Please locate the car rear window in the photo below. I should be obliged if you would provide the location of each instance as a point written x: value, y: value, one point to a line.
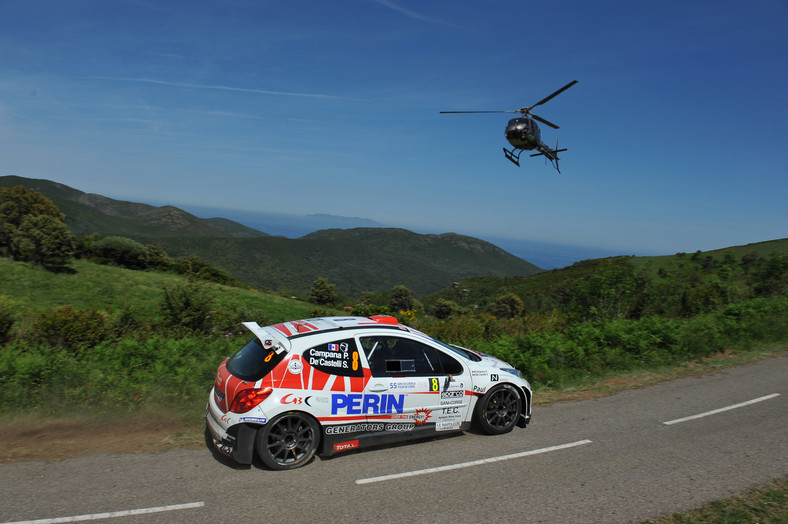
x: 252, y: 362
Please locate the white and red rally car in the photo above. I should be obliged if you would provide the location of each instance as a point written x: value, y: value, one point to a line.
x: 326, y: 385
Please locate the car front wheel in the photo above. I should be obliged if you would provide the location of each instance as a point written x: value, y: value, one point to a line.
x: 288, y: 441
x: 498, y: 410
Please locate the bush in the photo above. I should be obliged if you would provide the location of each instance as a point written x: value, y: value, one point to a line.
x: 120, y: 251
x: 116, y: 374
x: 68, y: 328
x: 187, y: 308
x: 7, y: 318
x: 46, y: 241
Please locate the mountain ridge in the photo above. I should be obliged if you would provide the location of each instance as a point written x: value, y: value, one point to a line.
x: 355, y: 260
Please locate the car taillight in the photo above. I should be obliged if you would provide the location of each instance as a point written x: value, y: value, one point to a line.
x: 249, y: 398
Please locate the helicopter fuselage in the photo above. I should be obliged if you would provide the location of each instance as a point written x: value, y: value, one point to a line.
x: 523, y: 133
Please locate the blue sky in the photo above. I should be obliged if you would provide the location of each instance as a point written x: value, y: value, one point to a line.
x: 677, y: 129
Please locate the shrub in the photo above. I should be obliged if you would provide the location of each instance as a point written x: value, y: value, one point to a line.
x: 66, y: 327
x: 7, y: 318
x: 187, y: 308
x: 45, y: 240
x: 444, y: 308
x: 120, y: 251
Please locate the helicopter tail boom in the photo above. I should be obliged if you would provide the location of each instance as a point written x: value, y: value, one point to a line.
x: 550, y: 154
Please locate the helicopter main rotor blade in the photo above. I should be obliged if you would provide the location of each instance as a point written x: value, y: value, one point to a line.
x: 542, y: 120
x: 542, y: 101
x: 480, y: 111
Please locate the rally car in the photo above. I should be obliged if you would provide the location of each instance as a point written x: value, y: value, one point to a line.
x: 327, y: 385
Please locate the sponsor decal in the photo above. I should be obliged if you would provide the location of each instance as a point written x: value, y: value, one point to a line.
x: 344, y: 446
x: 295, y: 367
x: 366, y: 404
x: 421, y: 416
x: 368, y: 427
x: 494, y: 378
x: 446, y: 426
x: 339, y: 358
x: 293, y: 399
x: 403, y: 385
x: 478, y: 373
x: 354, y: 428
x: 450, y: 416
x: 479, y: 389
x: 400, y: 427
x: 260, y: 420
x: 452, y: 393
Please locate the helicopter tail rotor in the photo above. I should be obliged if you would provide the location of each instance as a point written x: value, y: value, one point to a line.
x: 550, y: 154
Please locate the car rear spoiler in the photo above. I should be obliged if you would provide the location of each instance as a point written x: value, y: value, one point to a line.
x: 266, y: 339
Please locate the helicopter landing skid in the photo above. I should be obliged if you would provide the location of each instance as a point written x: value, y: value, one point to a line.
x: 514, y: 158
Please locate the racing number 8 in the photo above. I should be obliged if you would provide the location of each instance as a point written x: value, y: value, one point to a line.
x: 269, y: 356
x: 355, y: 361
x: 434, y: 384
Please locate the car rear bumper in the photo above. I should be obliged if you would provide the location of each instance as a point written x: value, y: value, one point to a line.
x: 234, y: 441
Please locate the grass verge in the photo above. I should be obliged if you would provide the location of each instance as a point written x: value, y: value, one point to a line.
x: 766, y: 504
x: 151, y: 429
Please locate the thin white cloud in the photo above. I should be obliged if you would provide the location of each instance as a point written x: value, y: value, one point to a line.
x: 217, y: 87
x: 412, y: 14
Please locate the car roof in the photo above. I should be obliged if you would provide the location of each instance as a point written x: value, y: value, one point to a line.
x: 312, y: 326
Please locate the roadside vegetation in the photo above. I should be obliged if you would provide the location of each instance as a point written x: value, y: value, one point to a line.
x: 760, y: 505
x: 108, y: 328
x: 114, y: 325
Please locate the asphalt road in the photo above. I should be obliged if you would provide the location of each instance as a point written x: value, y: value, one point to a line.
x: 608, y: 460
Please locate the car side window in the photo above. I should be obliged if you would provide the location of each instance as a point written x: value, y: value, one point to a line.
x: 397, y: 356
x: 337, y: 358
x: 449, y: 364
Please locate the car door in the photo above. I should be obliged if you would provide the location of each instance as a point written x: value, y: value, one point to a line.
x: 409, y: 389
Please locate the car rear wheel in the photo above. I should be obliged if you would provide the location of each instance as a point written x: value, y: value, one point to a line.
x: 497, y: 411
x: 288, y: 441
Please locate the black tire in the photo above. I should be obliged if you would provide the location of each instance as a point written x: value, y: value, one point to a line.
x: 288, y: 441
x: 498, y: 410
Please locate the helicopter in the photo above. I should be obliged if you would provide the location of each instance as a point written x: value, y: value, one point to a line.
x: 524, y: 134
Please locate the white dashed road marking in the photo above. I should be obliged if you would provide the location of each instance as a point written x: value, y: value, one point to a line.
x: 113, y: 514
x: 470, y: 464
x: 714, y: 412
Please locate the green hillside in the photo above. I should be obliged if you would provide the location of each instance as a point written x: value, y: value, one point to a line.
x: 110, y: 290
x: 663, y: 276
x: 355, y: 260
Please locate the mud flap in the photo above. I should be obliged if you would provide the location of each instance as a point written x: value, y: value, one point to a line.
x: 244, y: 444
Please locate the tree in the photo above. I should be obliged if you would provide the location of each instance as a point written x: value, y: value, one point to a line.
x: 401, y: 299
x: 444, y: 308
x: 771, y: 277
x: 322, y: 293
x: 120, y: 251
x: 16, y: 204
x: 509, y: 306
x: 44, y: 240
